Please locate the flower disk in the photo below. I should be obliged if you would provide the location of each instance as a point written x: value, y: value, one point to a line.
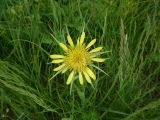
x: 77, y: 59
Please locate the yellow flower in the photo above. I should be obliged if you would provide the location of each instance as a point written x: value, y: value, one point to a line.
x: 77, y: 59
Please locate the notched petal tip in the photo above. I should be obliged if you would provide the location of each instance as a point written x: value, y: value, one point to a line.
x: 54, y: 56
x: 70, y: 41
x: 98, y: 59
x: 91, y: 43
x: 80, y: 78
x: 59, y: 68
x: 78, y: 41
x: 64, y: 47
x: 58, y: 61
x: 87, y: 77
x: 64, y: 70
x: 70, y: 78
x: 82, y: 38
x: 90, y: 73
x: 96, y: 49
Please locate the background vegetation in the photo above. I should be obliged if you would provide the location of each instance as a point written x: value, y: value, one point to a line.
x: 129, y: 29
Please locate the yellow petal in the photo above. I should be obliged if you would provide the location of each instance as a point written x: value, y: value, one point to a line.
x: 80, y: 78
x: 98, y: 59
x: 63, y: 46
x: 56, y: 56
x: 96, y: 49
x: 91, y: 43
x: 87, y: 77
x: 70, y: 41
x: 70, y: 78
x: 78, y: 41
x: 90, y: 73
x: 60, y: 67
x: 82, y: 38
x: 64, y: 70
x: 57, y: 61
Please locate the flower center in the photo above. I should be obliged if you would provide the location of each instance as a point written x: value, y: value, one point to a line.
x: 77, y: 58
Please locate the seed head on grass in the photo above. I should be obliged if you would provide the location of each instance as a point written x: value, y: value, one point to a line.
x: 77, y: 59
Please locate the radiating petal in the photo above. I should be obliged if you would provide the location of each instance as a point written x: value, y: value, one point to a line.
x: 90, y: 73
x: 57, y: 61
x: 70, y: 78
x: 56, y: 56
x: 63, y: 46
x: 78, y: 41
x: 70, y: 41
x: 58, y: 68
x: 92, y: 56
x: 87, y: 77
x: 82, y: 38
x: 91, y: 43
x: 98, y: 59
x: 65, y: 69
x: 96, y: 49
x: 80, y: 78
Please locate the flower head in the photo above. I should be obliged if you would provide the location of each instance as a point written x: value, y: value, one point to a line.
x: 77, y: 59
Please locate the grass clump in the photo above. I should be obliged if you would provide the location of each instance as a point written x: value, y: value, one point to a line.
x: 128, y: 29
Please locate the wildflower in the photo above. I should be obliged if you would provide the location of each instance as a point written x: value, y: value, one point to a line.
x: 77, y: 59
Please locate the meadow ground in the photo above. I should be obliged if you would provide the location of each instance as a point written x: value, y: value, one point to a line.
x: 129, y: 30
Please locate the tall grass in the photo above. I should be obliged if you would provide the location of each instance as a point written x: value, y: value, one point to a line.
x: 128, y: 29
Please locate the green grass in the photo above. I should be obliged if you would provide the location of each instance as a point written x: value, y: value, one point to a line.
x: 128, y: 29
